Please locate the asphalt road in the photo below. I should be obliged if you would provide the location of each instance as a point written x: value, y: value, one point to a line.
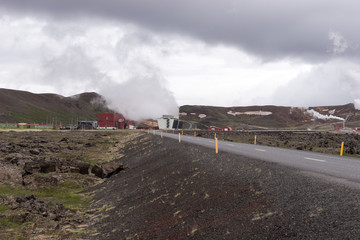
x: 338, y: 166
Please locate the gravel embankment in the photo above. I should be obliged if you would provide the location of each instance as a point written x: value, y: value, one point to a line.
x: 181, y: 191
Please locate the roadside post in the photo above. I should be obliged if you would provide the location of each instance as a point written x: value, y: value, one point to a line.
x: 154, y: 132
x: 194, y: 134
x: 182, y: 132
x: 342, y: 149
x: 179, y: 138
x: 255, y: 140
x: 161, y: 134
x: 216, y: 146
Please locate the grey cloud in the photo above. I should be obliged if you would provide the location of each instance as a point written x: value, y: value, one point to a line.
x: 332, y: 83
x: 270, y: 29
x: 72, y: 68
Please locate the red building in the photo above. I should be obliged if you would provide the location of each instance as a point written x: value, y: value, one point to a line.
x: 338, y: 126
x: 227, y: 129
x: 213, y: 128
x: 111, y: 120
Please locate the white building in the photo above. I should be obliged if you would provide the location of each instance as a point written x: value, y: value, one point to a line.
x: 169, y: 122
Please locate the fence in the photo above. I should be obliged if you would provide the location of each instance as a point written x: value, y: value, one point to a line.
x: 27, y: 126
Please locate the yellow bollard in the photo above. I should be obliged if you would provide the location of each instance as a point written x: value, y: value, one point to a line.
x: 255, y: 140
x: 194, y: 134
x: 182, y: 132
x: 342, y: 149
x: 154, y: 132
x: 179, y: 138
x: 161, y: 134
x: 216, y: 146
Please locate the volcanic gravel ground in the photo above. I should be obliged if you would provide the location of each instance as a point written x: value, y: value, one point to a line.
x: 183, y: 191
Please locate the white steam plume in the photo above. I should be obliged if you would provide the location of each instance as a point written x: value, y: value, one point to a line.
x: 357, y: 103
x: 68, y: 58
x: 318, y: 115
x: 144, y: 94
x: 141, y: 97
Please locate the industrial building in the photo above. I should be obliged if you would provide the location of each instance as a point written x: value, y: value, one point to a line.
x: 86, y: 125
x: 111, y: 121
x: 169, y: 122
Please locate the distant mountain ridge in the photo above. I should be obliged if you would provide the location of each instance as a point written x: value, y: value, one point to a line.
x: 23, y: 106
x: 269, y: 117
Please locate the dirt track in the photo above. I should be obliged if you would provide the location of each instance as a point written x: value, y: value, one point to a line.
x: 179, y: 191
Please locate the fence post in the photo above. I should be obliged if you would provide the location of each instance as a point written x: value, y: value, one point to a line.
x: 342, y: 149
x: 216, y: 146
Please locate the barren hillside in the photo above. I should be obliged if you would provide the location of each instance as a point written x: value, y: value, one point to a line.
x: 267, y: 117
x: 22, y: 106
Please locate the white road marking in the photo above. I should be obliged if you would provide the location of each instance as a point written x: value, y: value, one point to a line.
x: 314, y: 159
x: 261, y: 150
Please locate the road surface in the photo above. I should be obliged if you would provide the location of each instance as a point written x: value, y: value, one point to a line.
x: 332, y: 165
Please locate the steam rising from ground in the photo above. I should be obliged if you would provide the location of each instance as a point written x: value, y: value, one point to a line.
x: 318, y: 115
x: 143, y: 95
x: 70, y: 58
x: 357, y: 103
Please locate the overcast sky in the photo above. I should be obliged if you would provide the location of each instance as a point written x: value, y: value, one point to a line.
x: 155, y: 55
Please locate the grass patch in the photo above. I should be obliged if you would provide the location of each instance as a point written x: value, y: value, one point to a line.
x: 8, y: 223
x: 3, y: 208
x: 66, y: 193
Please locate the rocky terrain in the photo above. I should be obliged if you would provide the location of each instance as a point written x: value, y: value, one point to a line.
x: 42, y: 173
x: 133, y: 185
